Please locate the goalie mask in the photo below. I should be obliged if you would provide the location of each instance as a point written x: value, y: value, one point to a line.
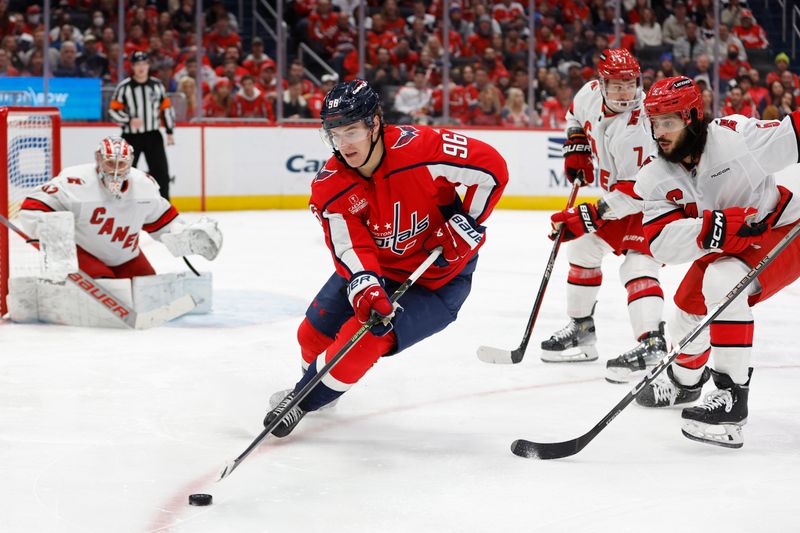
x: 114, y: 157
x: 348, y: 117
x: 620, y: 79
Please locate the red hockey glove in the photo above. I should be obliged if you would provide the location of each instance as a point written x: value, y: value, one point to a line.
x: 577, y: 221
x: 366, y: 295
x: 457, y: 237
x: 577, y: 154
x: 730, y: 229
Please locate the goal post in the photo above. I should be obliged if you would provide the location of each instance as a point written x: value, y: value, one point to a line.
x: 30, y: 155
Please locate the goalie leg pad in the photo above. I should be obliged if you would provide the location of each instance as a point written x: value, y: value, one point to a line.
x: 152, y: 292
x: 66, y: 304
x: 23, y: 306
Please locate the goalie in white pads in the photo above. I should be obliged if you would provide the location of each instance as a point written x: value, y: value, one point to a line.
x: 606, y: 120
x: 711, y: 200
x: 90, y: 217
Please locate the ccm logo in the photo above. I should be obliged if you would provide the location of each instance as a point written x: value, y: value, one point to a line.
x: 718, y: 232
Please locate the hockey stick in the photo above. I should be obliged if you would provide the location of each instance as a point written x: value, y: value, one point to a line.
x: 126, y: 315
x: 557, y: 450
x: 487, y: 354
x: 191, y: 267
x: 230, y: 466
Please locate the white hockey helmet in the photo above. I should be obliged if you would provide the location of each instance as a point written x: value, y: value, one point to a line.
x: 114, y: 157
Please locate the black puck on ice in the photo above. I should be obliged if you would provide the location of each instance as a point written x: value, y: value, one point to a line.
x: 200, y: 499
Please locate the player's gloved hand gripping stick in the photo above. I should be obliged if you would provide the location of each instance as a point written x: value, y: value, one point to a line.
x: 300, y: 396
x: 125, y: 314
x: 487, y: 354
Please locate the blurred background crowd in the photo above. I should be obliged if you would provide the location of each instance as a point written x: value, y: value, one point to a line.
x: 486, y: 52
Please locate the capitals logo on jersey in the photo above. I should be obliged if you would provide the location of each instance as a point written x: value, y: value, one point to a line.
x: 392, y: 237
x: 408, y: 134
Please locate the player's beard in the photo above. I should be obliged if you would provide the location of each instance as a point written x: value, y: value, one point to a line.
x: 691, y: 143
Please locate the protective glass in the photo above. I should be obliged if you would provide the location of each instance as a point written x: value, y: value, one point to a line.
x: 666, y: 124
x: 621, y: 95
x: 345, y: 135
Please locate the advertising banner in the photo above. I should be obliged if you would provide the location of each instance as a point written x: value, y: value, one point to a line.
x: 76, y: 98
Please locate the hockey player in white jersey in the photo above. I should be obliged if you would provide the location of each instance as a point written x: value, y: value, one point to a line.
x: 112, y: 204
x: 606, y: 120
x: 711, y: 200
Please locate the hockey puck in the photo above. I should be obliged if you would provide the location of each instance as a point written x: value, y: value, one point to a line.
x: 200, y: 499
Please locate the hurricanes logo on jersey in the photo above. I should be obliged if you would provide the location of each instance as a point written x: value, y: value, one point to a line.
x: 397, y: 240
x: 407, y: 134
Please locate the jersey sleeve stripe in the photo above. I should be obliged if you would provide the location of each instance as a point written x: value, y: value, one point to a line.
x: 653, y: 228
x: 675, y: 214
x: 32, y: 204
x: 341, y: 243
x: 167, y: 217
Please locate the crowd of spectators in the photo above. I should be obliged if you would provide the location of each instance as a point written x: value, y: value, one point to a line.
x: 405, y: 50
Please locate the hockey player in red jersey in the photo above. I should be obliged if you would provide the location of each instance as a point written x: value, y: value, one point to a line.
x: 385, y: 200
x: 711, y: 200
x: 112, y: 204
x: 606, y: 121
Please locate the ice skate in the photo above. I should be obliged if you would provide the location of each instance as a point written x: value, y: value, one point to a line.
x: 636, y: 362
x: 573, y: 343
x: 277, y: 397
x: 719, y: 419
x: 288, y: 423
x: 666, y: 392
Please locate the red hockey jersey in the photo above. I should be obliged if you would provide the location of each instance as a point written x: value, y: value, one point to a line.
x: 379, y: 224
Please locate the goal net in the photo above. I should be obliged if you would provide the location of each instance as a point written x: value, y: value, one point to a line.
x: 30, y: 155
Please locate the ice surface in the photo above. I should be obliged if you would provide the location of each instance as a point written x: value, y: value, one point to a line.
x: 110, y: 431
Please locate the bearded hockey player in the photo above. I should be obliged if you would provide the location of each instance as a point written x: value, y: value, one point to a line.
x: 711, y: 200
x: 107, y: 204
x: 385, y: 200
x: 606, y: 120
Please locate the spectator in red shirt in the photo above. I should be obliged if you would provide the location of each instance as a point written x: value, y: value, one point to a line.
x: 554, y: 109
x: 219, y: 102
x: 297, y: 72
x: 781, y: 66
x: 493, y: 64
x: 404, y: 57
x: 33, y: 19
x: 256, y: 58
x: 222, y: 37
x: 506, y: 10
x: 459, y: 103
x: 575, y: 10
x: 394, y: 21
x: 757, y: 91
x: 547, y: 44
x: 249, y: 102
x: 321, y: 24
x: 315, y: 100
x: 486, y: 111
x: 136, y: 41
x: 750, y: 32
x: 738, y: 104
x: 379, y: 36
x: 267, y: 82
x: 481, y: 39
x: 729, y: 69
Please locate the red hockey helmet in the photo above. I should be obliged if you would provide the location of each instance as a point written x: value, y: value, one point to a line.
x: 679, y: 95
x: 620, y: 65
x: 114, y: 158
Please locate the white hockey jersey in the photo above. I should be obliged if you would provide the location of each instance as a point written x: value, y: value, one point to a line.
x: 620, y: 142
x: 735, y: 170
x: 105, y: 226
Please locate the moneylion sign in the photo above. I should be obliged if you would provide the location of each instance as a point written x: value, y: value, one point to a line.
x: 75, y: 98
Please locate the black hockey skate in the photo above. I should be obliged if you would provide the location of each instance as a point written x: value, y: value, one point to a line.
x: 666, y: 392
x: 636, y: 362
x: 719, y: 419
x: 288, y: 423
x: 277, y: 397
x: 575, y: 342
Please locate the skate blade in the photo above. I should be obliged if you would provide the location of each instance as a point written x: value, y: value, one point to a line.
x: 725, y: 435
x: 579, y: 354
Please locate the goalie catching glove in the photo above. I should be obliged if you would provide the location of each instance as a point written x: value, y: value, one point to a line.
x: 577, y: 221
x: 577, y: 154
x: 199, y: 238
x: 458, y: 236
x: 367, y: 296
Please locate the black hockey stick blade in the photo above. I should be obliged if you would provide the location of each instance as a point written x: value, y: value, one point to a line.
x: 549, y: 450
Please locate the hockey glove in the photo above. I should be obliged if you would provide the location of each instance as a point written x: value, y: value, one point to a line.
x: 577, y: 221
x: 367, y: 297
x: 730, y: 230
x: 457, y: 237
x: 577, y: 154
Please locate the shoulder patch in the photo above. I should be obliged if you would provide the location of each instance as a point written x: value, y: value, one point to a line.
x: 407, y: 134
x: 324, y: 174
x: 728, y: 123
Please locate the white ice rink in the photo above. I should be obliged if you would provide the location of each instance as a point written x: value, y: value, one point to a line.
x: 110, y: 431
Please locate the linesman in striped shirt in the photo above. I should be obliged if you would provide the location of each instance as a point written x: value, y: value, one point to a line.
x: 139, y: 105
